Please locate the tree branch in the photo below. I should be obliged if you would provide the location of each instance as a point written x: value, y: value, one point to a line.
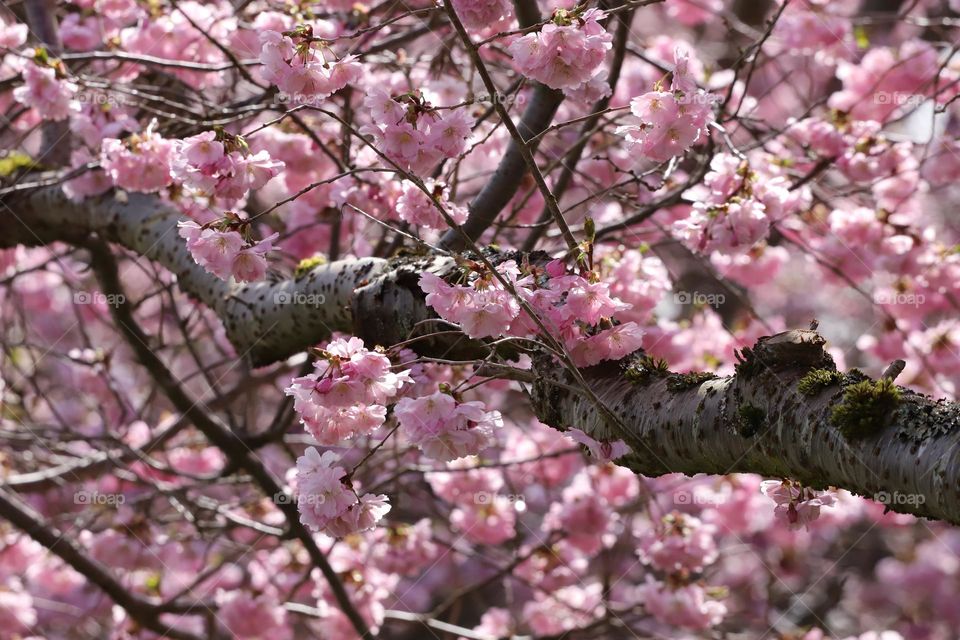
x: 144, y: 612
x: 266, y: 321
x: 762, y: 420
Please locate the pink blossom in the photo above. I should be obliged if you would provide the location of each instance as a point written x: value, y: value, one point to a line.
x: 483, y: 14
x: 485, y: 309
x: 214, y: 250
x: 321, y: 495
x: 488, y: 521
x: 345, y: 396
x: 686, y: 606
x: 249, y: 617
x: 591, y: 301
x: 667, y: 123
x: 417, y: 207
x: 249, y: 264
x: 565, y: 53
x: 444, y: 428
x: 797, y: 505
x: 679, y: 543
x: 142, y: 162
x: 603, y: 451
x: 691, y: 13
x: 12, y: 35
x: 302, y: 71
x: 42, y: 90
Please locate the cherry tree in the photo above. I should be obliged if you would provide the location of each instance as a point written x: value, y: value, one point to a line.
x: 479, y: 319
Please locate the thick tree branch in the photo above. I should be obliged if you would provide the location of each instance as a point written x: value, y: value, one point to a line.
x: 671, y: 429
x: 265, y: 321
x: 773, y: 418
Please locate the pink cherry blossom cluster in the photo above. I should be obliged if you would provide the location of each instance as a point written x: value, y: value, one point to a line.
x: 297, y: 64
x: 891, y: 82
x: 412, y: 133
x: 567, y: 52
x: 573, y: 307
x: 667, y: 123
x: 735, y: 205
x: 419, y: 208
x: 46, y: 90
x: 219, y: 165
x: 192, y: 33
x: 679, y: 543
x: 797, y: 505
x: 484, y: 15
x: 101, y: 21
x: 141, y: 162
x: 327, y: 501
x: 222, y: 250
x: 445, y: 428
x: 686, y: 605
x: 346, y: 395
x: 482, y: 309
x: 12, y: 35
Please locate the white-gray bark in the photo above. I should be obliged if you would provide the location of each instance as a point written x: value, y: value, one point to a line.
x: 265, y: 321
x: 759, y: 421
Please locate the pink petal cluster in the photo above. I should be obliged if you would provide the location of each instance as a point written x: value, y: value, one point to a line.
x: 445, y: 428
x: 50, y: 96
x: 253, y: 617
x: 667, y: 123
x: 222, y: 168
x: 345, y: 396
x: 584, y: 516
x: 416, y: 207
x: 566, y: 53
x: 687, y: 606
x: 679, y: 543
x: 413, y: 134
x: 734, y: 207
x: 483, y: 14
x: 193, y: 33
x: 482, y: 310
x: 565, y: 304
x: 605, y: 451
x: 224, y: 252
x: 890, y: 82
x: 328, y: 503
x: 12, y: 35
x: 140, y: 162
x: 691, y: 13
x: 299, y: 68
x: 797, y: 505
